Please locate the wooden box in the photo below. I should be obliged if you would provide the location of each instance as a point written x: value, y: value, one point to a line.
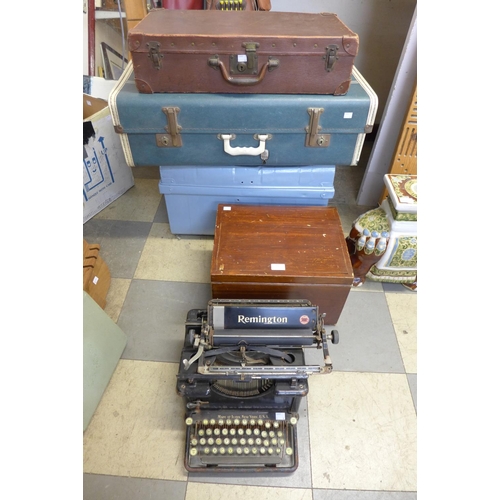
x: 281, y: 252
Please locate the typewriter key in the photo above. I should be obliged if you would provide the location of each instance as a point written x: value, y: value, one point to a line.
x: 221, y: 422
x: 214, y: 450
x: 205, y: 421
x: 201, y: 432
x: 254, y: 451
x: 250, y: 441
x: 236, y: 421
x: 239, y: 451
x: 274, y: 441
x: 256, y: 431
x: 246, y: 450
x: 241, y: 432
x: 232, y: 431
x: 266, y: 442
x: 260, y: 422
x: 212, y: 421
x: 293, y: 420
x: 271, y: 434
x: 276, y: 424
x: 211, y: 441
x: 218, y: 441
x: 194, y: 442
x: 217, y: 432
x: 234, y: 441
x: 270, y: 451
x: 263, y: 434
x: 289, y: 451
x: 267, y: 425
x: 222, y: 451
x: 228, y: 421
x: 248, y: 432
x: 252, y: 421
x: 262, y: 451
x: 189, y: 421
x: 258, y: 441
x: 203, y: 441
x: 230, y: 451
x: 206, y: 451
x: 208, y: 432
x: 226, y: 441
x: 278, y: 451
x: 243, y: 441
x: 193, y: 452
x: 225, y: 432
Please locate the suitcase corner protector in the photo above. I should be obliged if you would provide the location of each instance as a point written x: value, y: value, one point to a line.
x: 342, y: 88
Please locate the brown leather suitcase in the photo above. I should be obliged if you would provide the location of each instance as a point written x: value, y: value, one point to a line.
x: 281, y: 252
x: 206, y: 51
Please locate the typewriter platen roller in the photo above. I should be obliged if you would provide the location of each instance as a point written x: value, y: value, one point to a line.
x: 243, y: 374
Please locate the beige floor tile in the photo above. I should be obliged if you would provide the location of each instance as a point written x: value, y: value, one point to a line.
x: 116, y: 296
x: 138, y: 204
x: 166, y: 257
x: 403, y: 309
x: 138, y: 428
x: 205, y: 491
x: 362, y: 432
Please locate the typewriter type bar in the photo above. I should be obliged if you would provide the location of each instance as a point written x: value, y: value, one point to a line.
x: 247, y: 442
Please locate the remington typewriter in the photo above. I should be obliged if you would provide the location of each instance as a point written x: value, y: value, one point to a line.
x: 242, y: 375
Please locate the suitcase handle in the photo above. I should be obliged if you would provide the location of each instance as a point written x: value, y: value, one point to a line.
x: 238, y: 151
x: 271, y: 64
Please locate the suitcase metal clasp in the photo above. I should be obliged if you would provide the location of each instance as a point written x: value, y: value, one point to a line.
x: 330, y: 57
x: 154, y: 54
x: 172, y: 139
x: 314, y: 139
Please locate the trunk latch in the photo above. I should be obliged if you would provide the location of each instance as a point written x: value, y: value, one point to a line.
x: 173, y: 138
x: 154, y: 54
x: 247, y: 63
x: 314, y: 139
x: 330, y: 57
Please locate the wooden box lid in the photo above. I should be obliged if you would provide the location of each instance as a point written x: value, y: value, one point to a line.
x: 279, y: 244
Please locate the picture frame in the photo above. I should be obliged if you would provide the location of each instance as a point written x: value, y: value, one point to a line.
x: 114, y: 63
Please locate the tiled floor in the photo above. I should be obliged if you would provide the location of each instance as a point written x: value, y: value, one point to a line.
x: 357, y: 431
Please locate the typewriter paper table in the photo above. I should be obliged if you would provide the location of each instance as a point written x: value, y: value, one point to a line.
x: 278, y: 252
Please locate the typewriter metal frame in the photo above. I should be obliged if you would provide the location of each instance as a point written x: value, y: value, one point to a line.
x: 212, y: 390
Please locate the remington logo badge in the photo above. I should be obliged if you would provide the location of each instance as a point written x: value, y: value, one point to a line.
x: 268, y: 317
x: 262, y: 319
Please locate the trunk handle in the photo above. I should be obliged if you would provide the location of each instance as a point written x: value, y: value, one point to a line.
x: 239, y: 151
x: 215, y: 63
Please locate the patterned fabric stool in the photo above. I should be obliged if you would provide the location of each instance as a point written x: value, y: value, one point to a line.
x: 383, y: 242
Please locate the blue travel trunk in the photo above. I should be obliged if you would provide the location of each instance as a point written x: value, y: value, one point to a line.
x: 242, y: 129
x: 192, y: 194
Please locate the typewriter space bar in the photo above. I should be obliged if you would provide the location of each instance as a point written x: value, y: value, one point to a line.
x: 242, y: 461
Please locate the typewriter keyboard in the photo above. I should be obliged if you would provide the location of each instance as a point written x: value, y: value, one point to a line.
x: 241, y: 440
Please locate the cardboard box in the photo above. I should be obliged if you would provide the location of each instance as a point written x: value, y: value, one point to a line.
x: 96, y: 275
x: 106, y: 175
